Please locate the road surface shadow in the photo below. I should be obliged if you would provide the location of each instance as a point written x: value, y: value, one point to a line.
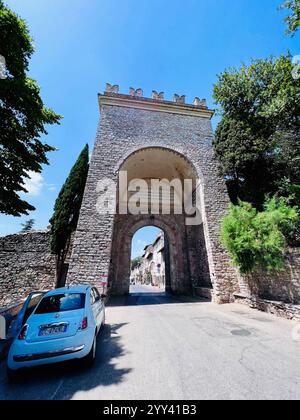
x: 155, y: 298
x: 64, y: 380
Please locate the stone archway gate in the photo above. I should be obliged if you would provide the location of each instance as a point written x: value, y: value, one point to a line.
x: 129, y: 124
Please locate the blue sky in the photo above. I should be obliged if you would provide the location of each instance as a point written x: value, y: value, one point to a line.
x: 172, y: 45
x: 142, y: 238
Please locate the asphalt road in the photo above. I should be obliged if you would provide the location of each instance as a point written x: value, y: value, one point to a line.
x: 160, y: 347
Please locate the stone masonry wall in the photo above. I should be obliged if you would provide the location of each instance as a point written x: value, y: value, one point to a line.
x: 26, y: 265
x: 283, y: 286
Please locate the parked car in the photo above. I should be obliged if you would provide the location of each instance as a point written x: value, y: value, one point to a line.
x: 63, y: 326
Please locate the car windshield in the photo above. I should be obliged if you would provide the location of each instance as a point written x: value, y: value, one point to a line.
x: 61, y: 303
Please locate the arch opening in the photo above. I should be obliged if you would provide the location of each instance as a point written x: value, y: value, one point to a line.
x: 150, y: 261
x: 159, y: 175
x: 187, y: 266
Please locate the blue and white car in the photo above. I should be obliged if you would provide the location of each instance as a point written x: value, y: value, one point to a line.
x: 62, y: 326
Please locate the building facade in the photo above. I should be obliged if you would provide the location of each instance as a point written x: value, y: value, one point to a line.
x: 151, y: 270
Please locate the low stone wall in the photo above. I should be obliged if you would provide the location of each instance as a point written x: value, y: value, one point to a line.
x: 283, y: 286
x: 281, y: 309
x: 26, y: 265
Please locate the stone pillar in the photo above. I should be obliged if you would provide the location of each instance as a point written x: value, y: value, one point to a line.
x: 90, y: 258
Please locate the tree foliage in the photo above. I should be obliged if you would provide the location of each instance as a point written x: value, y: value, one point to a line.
x: 258, y: 239
x: 258, y: 139
x: 68, y: 203
x: 293, y: 19
x: 136, y: 262
x: 28, y: 225
x: 23, y: 115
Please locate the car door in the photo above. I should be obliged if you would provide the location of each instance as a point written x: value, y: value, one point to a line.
x: 95, y: 307
x: 28, y: 307
x: 99, y: 307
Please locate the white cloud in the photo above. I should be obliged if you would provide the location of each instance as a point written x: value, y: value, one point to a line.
x: 51, y: 187
x: 34, y: 183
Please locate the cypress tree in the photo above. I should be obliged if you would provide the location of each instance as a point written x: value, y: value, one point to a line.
x: 67, y: 208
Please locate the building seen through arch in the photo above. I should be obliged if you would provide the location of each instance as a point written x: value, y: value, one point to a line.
x: 150, y: 268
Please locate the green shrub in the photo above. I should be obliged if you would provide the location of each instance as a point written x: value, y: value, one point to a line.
x: 286, y: 217
x: 258, y: 239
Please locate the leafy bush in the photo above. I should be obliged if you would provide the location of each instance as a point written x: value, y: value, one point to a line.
x: 279, y: 212
x: 258, y: 239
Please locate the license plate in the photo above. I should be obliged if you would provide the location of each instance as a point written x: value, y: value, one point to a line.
x: 59, y: 329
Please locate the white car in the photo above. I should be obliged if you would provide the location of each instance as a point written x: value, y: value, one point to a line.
x: 63, y: 326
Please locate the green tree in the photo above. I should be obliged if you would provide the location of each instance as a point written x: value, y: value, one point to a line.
x: 67, y: 208
x: 258, y: 239
x: 28, y: 225
x: 257, y: 140
x: 23, y: 115
x: 136, y: 262
x: 293, y: 19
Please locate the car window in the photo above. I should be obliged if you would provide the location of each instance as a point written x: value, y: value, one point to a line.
x: 61, y: 303
x: 97, y: 295
x: 92, y: 297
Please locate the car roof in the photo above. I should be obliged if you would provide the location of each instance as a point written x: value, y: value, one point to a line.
x: 79, y: 288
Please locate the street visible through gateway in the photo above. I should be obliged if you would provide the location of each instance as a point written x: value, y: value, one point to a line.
x: 205, y: 351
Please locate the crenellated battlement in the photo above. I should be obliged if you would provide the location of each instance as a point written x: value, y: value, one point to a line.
x: 155, y: 96
x: 135, y: 99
